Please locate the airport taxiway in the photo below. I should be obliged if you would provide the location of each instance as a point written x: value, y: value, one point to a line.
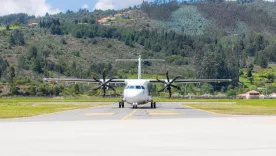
x: 164, y: 110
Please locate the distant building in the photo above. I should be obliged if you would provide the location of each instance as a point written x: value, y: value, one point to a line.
x: 250, y: 95
x: 241, y: 96
x: 273, y: 95
x: 33, y: 24
x: 125, y: 15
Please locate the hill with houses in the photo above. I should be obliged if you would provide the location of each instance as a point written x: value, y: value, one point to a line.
x: 198, y: 40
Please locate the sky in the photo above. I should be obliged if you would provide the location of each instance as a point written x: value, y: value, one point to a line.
x: 41, y: 7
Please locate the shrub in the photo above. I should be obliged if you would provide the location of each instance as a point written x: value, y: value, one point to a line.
x: 76, y: 53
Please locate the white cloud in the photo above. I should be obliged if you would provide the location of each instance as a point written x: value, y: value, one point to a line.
x: 116, y: 4
x: 31, y: 7
x: 85, y: 6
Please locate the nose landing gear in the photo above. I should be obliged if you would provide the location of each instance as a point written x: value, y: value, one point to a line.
x: 134, y: 105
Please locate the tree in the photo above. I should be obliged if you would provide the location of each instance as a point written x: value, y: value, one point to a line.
x: 206, y: 88
x: 57, y: 90
x: 17, y: 38
x: 22, y: 63
x: 271, y: 77
x: 36, y: 66
x: 261, y: 59
x: 14, y: 90
x: 250, y: 70
x: 11, y: 73
x: 12, y: 40
x: 251, y: 79
x: 32, y: 52
x: 7, y: 27
x: 76, y: 89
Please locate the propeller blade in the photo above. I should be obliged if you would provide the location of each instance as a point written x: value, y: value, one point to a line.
x: 111, y: 88
x: 104, y: 76
x: 174, y: 79
x: 160, y: 81
x: 163, y: 89
x: 109, y: 81
x: 176, y: 87
x: 167, y: 74
x: 104, y: 92
x: 97, y: 88
x: 97, y: 80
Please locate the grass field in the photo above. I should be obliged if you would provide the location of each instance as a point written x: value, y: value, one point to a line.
x: 26, y: 107
x: 242, y: 107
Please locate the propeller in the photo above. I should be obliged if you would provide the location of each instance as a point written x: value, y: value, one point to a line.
x: 169, y: 84
x: 103, y: 84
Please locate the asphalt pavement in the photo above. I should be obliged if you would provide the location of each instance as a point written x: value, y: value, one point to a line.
x: 164, y: 110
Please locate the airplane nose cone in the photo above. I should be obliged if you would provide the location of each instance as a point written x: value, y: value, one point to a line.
x: 134, y: 96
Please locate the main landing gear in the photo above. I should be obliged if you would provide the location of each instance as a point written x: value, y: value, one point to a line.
x: 153, y: 104
x: 121, y: 104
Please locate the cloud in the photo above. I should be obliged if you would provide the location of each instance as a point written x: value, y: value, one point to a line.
x: 116, y: 4
x: 85, y: 6
x: 31, y: 7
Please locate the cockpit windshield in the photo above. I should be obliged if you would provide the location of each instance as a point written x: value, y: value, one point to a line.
x: 130, y: 87
x: 135, y: 87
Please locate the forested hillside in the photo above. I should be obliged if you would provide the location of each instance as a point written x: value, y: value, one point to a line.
x: 197, y: 40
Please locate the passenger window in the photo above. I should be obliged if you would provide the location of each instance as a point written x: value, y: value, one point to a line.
x: 131, y: 87
x: 138, y: 87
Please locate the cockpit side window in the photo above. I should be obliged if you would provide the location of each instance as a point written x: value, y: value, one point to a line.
x: 143, y: 87
x: 138, y: 87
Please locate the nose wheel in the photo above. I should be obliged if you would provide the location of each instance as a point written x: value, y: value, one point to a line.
x: 121, y: 104
x: 153, y: 104
x: 134, y: 106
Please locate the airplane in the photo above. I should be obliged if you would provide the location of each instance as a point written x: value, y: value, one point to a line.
x: 136, y: 91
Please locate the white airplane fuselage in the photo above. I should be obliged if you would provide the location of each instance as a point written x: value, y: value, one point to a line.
x: 136, y: 92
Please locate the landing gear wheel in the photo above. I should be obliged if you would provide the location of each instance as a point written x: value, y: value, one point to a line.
x: 134, y: 106
x: 154, y: 105
x: 151, y: 105
x: 123, y: 104
x: 120, y: 105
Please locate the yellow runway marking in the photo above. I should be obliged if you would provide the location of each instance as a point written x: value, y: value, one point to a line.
x: 99, y: 114
x: 130, y: 114
x: 160, y: 112
x: 204, y: 110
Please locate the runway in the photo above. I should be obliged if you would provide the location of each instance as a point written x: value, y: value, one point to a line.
x: 164, y: 110
x: 230, y: 136
x: 171, y: 129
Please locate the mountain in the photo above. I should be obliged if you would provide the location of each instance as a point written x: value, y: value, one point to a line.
x: 197, y: 40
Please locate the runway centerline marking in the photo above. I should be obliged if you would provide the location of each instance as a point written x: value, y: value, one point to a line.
x: 133, y: 112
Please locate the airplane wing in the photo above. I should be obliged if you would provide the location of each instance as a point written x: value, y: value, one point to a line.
x: 193, y: 80
x: 84, y: 80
